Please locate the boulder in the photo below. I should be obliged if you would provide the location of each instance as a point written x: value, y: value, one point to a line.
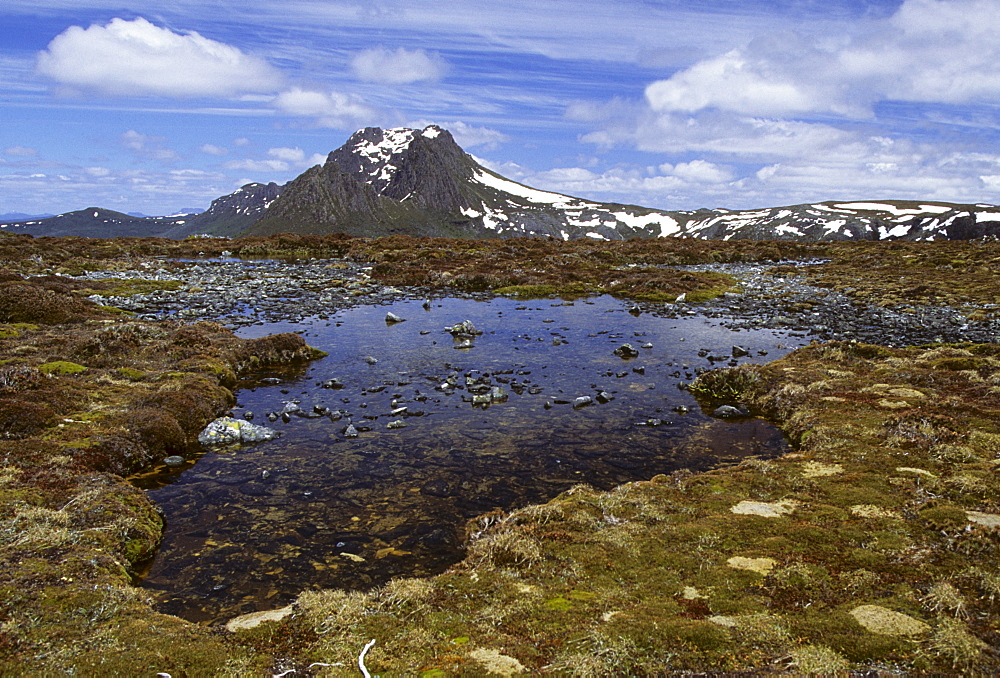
x: 626, y: 351
x: 464, y: 329
x: 230, y: 431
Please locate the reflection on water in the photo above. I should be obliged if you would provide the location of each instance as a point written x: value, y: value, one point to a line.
x: 249, y: 529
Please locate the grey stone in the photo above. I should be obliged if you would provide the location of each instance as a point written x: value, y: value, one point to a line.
x: 464, y: 329
x: 729, y: 412
x: 582, y: 401
x: 174, y: 461
x: 391, y: 318
x: 229, y: 431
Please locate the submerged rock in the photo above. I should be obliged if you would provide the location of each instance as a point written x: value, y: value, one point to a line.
x: 230, y: 431
x: 730, y: 412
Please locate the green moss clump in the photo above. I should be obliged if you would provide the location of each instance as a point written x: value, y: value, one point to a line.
x: 127, y: 287
x: 61, y: 367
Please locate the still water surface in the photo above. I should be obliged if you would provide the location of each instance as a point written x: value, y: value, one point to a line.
x: 249, y: 529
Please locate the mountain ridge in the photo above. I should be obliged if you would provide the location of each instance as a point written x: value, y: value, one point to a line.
x: 420, y: 182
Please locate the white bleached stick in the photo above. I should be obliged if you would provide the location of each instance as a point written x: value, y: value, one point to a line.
x: 361, y: 659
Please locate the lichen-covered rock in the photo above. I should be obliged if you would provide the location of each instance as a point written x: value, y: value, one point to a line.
x: 464, y: 329
x: 230, y: 431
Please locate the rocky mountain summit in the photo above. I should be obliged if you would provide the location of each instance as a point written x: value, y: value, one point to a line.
x: 421, y: 182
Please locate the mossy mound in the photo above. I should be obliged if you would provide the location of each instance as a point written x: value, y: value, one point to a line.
x: 72, y: 531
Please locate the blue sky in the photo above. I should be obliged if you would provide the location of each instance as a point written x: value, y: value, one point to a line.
x: 675, y: 104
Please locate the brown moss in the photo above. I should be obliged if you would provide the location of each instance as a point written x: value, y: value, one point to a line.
x: 20, y: 419
x: 25, y: 302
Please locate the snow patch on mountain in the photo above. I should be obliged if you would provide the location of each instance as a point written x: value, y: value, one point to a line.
x: 530, y: 194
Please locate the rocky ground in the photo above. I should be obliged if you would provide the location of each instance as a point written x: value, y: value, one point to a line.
x: 768, y: 295
x: 872, y: 548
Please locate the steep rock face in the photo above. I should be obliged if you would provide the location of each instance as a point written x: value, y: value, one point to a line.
x: 230, y: 214
x: 426, y: 168
x: 378, y: 183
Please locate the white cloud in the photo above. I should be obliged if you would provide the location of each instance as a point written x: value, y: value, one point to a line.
x: 279, y: 160
x: 698, y: 171
x: 151, y: 192
x: 397, y: 67
x: 292, y: 155
x: 467, y: 136
x: 732, y: 82
x: 128, y: 58
x: 249, y: 165
x: 212, y: 149
x: 20, y: 152
x: 147, y: 146
x: 785, y: 119
x: 930, y: 51
x: 330, y: 109
x: 934, y: 51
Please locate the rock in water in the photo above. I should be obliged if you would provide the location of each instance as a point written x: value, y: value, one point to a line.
x: 230, y: 431
x: 730, y: 412
x: 464, y: 329
x: 391, y: 318
x: 626, y: 351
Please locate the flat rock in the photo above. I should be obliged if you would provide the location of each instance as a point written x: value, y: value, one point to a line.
x: 815, y: 469
x: 872, y: 511
x: 496, y: 663
x: 878, y: 619
x: 984, y: 519
x: 255, y: 619
x: 764, y: 509
x: 759, y: 565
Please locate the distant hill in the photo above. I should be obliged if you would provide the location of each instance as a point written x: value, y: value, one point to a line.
x: 12, y: 217
x: 420, y: 182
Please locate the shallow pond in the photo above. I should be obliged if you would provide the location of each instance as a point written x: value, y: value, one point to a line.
x: 249, y: 529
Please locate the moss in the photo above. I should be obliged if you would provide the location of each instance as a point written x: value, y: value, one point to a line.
x: 130, y: 373
x: 126, y: 287
x: 61, y: 367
